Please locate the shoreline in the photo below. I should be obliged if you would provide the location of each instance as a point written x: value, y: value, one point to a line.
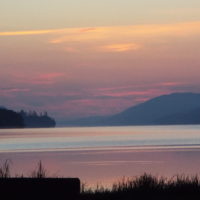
x: 141, y: 148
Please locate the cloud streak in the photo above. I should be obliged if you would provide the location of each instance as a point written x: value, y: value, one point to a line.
x: 46, y: 31
x: 31, y: 32
x: 121, y: 38
x: 40, y: 79
x: 14, y: 90
x: 111, y: 38
x: 121, y: 47
x: 124, y: 32
x: 103, y: 32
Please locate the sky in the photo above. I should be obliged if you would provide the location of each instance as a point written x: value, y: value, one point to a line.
x: 87, y: 57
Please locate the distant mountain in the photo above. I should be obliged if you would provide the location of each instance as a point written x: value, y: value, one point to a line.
x: 176, y: 108
x: 34, y: 120
x: 191, y: 117
x: 157, y: 109
x: 10, y: 119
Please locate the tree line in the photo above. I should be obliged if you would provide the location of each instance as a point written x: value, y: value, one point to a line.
x: 24, y: 119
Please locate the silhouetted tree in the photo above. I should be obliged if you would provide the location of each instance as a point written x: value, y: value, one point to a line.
x: 34, y: 120
x: 10, y: 119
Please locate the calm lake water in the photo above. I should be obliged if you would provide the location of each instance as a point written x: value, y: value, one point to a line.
x: 103, y: 154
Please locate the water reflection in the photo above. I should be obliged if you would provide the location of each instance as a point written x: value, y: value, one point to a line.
x: 97, y: 138
x: 108, y: 166
x: 104, y: 155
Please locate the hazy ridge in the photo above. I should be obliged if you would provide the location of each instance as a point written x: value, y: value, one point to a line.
x: 176, y: 108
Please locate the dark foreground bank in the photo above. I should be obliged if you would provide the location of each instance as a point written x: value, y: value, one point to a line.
x: 146, y: 186
x: 143, y: 187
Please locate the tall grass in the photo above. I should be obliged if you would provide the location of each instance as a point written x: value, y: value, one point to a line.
x: 5, y: 169
x: 39, y: 172
x: 147, y: 186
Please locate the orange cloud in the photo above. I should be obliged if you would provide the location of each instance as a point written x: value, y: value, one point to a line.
x: 113, y: 38
x: 120, y: 47
x: 31, y: 32
x: 126, y: 32
x: 103, y: 32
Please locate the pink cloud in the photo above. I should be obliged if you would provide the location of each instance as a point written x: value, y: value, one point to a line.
x: 140, y: 87
x: 127, y: 93
x: 11, y: 90
x: 50, y: 76
x: 89, y: 106
x: 40, y: 79
x: 144, y: 90
x: 171, y: 84
x: 137, y: 96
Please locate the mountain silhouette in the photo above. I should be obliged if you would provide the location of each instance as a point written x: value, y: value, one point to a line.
x: 176, y: 108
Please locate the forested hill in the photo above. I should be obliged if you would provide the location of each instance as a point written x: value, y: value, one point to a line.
x: 34, y: 120
x: 10, y: 119
x: 22, y: 119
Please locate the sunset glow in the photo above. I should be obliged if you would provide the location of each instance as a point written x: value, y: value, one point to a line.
x: 84, y: 63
